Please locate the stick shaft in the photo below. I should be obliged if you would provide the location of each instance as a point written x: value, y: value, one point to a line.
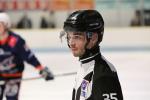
x: 40, y: 77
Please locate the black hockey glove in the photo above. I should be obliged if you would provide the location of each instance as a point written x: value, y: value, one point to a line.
x: 47, y: 74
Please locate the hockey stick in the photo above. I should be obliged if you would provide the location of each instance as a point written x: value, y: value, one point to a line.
x: 65, y: 74
x: 40, y: 77
x: 57, y: 75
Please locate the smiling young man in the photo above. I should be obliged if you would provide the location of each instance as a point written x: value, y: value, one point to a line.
x: 97, y: 78
x: 13, y: 53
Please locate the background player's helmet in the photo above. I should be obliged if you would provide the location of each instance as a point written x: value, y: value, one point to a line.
x: 5, y: 19
x: 88, y: 21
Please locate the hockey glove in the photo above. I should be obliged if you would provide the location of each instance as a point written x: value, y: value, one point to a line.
x: 47, y: 74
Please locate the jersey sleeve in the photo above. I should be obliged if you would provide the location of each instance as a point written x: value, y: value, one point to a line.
x: 107, y: 88
x: 26, y: 54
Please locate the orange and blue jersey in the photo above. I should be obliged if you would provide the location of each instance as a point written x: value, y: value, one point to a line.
x: 13, y: 53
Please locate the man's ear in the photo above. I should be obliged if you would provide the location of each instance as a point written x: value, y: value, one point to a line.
x: 94, y: 38
x: 93, y: 41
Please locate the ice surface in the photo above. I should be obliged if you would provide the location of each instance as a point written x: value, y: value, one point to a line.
x: 133, y: 71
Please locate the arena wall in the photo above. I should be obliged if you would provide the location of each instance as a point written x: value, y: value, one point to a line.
x: 113, y: 38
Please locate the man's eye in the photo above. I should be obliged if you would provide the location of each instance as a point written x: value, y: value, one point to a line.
x: 77, y: 37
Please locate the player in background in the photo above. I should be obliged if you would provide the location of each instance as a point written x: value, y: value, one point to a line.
x: 13, y: 53
x: 97, y: 78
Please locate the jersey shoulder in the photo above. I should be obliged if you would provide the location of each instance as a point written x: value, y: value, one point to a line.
x: 103, y: 65
x: 14, y: 39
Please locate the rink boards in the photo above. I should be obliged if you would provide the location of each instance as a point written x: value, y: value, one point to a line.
x: 119, y: 38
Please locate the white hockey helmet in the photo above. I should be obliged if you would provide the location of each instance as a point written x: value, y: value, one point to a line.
x: 5, y: 19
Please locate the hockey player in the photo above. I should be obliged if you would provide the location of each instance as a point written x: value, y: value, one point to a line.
x: 13, y: 53
x: 97, y: 78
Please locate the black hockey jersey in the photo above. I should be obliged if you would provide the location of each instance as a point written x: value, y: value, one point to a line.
x: 96, y: 79
x: 13, y: 53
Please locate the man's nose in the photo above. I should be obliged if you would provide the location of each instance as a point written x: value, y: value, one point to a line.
x: 71, y: 41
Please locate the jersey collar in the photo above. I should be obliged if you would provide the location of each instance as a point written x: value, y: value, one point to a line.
x: 90, y: 55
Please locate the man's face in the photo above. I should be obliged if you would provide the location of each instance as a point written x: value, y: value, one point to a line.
x: 77, y: 42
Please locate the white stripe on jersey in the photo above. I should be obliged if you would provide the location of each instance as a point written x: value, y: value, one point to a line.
x: 84, y: 70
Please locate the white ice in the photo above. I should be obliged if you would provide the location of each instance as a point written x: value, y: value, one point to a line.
x: 133, y: 71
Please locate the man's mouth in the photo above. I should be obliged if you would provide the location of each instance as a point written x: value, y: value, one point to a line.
x: 73, y: 49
